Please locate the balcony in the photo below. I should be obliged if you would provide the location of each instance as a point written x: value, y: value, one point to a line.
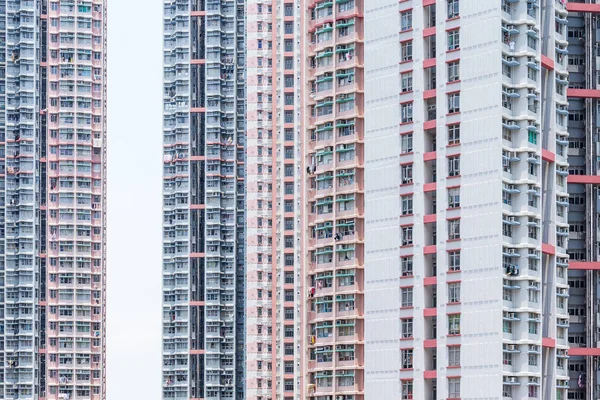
x: 348, y: 312
x: 347, y: 389
x: 323, y: 364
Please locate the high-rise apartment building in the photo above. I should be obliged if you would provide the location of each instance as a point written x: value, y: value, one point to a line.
x: 274, y: 314
x: 583, y: 182
x: 53, y: 197
x: 466, y: 199
x: 365, y: 198
x: 334, y: 212
x: 204, y: 273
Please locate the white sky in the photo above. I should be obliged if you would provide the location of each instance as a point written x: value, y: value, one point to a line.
x: 134, y: 199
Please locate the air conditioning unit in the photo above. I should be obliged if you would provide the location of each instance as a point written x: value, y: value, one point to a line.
x: 511, y: 251
x: 511, y: 347
x: 512, y: 379
x: 510, y: 27
x: 512, y: 219
x: 511, y: 59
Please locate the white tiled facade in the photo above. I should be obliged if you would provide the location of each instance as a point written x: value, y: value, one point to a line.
x: 465, y: 190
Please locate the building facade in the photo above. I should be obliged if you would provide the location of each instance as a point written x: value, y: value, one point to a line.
x: 204, y: 199
x: 449, y: 145
x: 583, y: 208
x: 53, y: 184
x: 275, y: 36
x: 334, y: 211
x: 466, y: 199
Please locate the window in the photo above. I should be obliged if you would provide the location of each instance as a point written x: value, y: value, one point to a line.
x: 289, y: 277
x: 407, y: 204
x: 454, y: 356
x: 532, y: 196
x: 288, y: 170
x: 533, y: 392
x: 532, y: 42
x: 406, y: 20
x: 454, y: 292
x: 289, y: 313
x: 289, y: 153
x: 407, y: 328
x: 533, y: 328
x: 407, y: 236
x: 454, y: 229
x: 453, y: 9
x: 533, y: 228
x: 407, y: 297
x: 454, y: 198
x: 453, y: 134
x: 288, y: 45
x: 407, y: 174
x: 407, y: 358
x: 454, y: 166
x: 453, y: 71
x: 532, y: 167
x: 454, y: 324
x: 406, y: 51
x: 506, y: 69
x: 454, y: 388
x: 532, y: 74
x: 346, y: 6
x: 407, y: 82
x: 407, y: 390
x: 533, y: 295
x: 506, y: 229
x: 289, y: 349
x: 288, y: 384
x: 453, y: 103
x: 406, y: 142
x: 288, y: 331
x: 453, y: 39
x: 454, y: 260
x: 506, y: 134
x: 533, y: 359
x: 507, y: 194
x: 289, y: 10
x: 288, y: 367
x: 407, y: 266
x: 407, y: 112
x: 289, y: 188
x: 288, y: 28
